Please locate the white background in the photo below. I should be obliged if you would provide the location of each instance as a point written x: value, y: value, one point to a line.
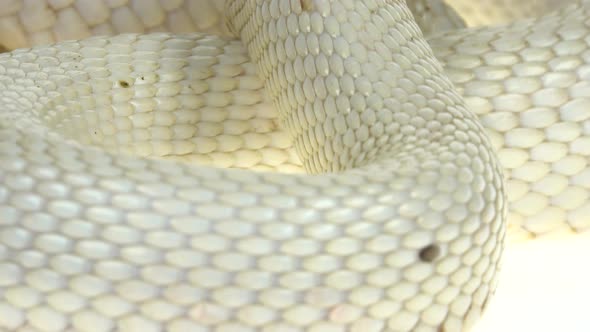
x: 544, y: 287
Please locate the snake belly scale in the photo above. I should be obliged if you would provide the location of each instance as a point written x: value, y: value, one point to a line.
x: 398, y: 227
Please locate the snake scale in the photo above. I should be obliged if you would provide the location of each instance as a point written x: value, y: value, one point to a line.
x: 323, y: 171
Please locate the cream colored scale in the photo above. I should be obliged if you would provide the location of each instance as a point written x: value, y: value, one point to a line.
x: 492, y: 12
x: 405, y: 235
x: 226, y: 131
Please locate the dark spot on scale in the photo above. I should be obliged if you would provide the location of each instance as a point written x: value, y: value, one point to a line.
x: 124, y: 84
x: 429, y: 253
x: 306, y: 5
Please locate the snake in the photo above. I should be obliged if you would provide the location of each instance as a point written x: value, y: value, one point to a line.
x: 281, y: 165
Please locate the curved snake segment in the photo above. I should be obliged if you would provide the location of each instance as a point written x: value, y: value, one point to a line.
x: 401, y: 229
x: 529, y: 88
x: 119, y: 241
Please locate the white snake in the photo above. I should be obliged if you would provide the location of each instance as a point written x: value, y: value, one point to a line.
x: 401, y: 230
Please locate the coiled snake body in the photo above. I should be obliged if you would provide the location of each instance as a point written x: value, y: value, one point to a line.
x: 401, y: 228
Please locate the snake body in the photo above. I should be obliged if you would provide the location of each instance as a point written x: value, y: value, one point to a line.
x: 401, y: 227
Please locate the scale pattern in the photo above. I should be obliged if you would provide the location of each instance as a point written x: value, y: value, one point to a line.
x: 490, y: 12
x: 529, y: 84
x: 406, y: 235
x: 234, y: 124
x: 24, y: 23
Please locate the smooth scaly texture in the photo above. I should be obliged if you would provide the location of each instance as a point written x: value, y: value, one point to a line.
x: 37, y: 22
x: 493, y: 68
x: 490, y: 12
x: 529, y: 84
x: 507, y: 82
x: 406, y: 235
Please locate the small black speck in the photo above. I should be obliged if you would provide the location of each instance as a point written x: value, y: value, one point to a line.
x: 124, y: 84
x: 429, y: 253
x: 142, y: 78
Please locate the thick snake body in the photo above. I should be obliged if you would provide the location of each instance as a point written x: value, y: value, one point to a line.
x: 400, y: 229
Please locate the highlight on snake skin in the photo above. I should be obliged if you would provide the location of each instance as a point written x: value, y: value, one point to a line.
x: 282, y: 165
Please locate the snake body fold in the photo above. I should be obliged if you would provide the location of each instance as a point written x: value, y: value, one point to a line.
x: 400, y: 226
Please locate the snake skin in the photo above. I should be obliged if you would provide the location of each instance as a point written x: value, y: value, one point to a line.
x: 493, y: 12
x: 402, y: 228
x: 529, y: 85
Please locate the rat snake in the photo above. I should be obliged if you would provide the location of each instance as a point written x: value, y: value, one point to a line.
x: 156, y: 181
